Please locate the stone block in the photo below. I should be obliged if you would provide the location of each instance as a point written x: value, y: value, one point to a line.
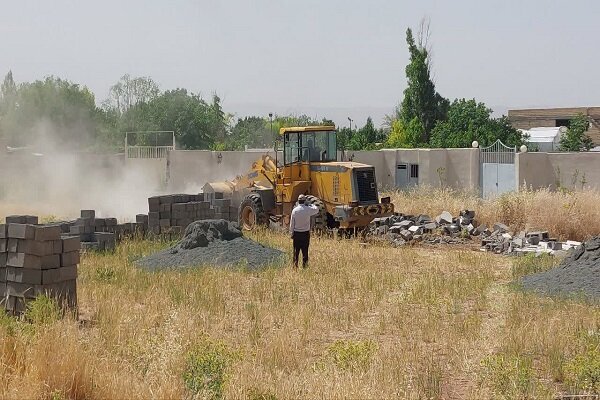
x: 166, y: 199
x: 416, y: 229
x: 46, y: 232
x: 22, y: 219
x: 423, y: 219
x: 111, y: 222
x: 166, y: 214
x: 57, y: 246
x: 141, y: 218
x: 34, y: 247
x: 22, y: 260
x: 70, y: 258
x: 67, y: 273
x: 99, y: 222
x: 3, y: 245
x: 88, y: 214
x: 32, y: 276
x: 87, y: 246
x: 3, y: 274
x: 500, y: 227
x: 21, y: 231
x: 3, y: 231
x: 181, y: 198
x: 165, y: 207
x: 154, y: 204
x: 406, y: 234
x: 179, y: 207
x: 444, y: 218
x: 430, y: 227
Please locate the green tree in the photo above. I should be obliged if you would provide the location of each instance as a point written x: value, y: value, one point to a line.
x: 253, y: 132
x: 405, y: 135
x: 468, y: 121
x: 53, y: 109
x: 576, y: 138
x: 366, y: 137
x: 129, y: 92
x: 421, y: 101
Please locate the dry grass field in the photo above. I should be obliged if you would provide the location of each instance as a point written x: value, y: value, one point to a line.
x: 361, y: 322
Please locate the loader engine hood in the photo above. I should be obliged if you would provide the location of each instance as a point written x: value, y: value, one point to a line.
x: 362, y: 176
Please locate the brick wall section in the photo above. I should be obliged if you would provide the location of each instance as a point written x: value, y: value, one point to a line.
x: 546, y: 117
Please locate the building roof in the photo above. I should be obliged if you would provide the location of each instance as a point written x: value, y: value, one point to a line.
x: 543, y: 135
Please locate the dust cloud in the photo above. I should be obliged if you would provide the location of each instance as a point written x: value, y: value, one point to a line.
x: 50, y: 179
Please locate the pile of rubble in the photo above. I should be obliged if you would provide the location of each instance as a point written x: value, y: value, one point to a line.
x: 401, y: 229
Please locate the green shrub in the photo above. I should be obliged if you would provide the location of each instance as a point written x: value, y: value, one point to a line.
x: 511, y: 377
x: 352, y: 355
x: 42, y: 310
x: 582, y: 373
x: 206, y: 369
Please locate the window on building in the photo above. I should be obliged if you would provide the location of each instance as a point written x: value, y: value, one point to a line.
x: 414, y: 170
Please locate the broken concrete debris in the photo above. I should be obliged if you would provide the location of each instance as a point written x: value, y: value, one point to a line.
x: 401, y: 229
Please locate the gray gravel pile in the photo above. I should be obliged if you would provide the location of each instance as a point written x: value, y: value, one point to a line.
x: 215, y: 242
x: 577, y: 274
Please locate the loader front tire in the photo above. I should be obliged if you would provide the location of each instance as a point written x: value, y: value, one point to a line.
x: 251, y: 213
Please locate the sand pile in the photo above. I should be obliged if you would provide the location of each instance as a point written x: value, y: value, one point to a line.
x: 215, y: 242
x: 577, y: 274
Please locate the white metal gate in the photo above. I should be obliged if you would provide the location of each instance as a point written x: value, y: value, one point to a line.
x: 497, y: 169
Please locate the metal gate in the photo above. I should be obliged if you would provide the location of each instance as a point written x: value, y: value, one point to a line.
x: 497, y: 169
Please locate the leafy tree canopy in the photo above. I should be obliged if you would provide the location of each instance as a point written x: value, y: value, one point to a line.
x: 576, y: 138
x: 468, y: 121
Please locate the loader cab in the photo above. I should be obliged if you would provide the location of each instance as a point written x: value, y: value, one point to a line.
x: 309, y: 144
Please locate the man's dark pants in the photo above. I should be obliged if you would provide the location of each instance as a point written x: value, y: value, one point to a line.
x: 301, y: 242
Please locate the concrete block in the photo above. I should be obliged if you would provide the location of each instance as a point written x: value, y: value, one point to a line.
x: 444, y: 218
x: 111, y: 221
x: 180, y: 207
x: 154, y: 204
x: 22, y: 260
x: 36, y: 248
x: 501, y: 227
x: 3, y: 231
x: 3, y: 274
x: 406, y: 234
x: 181, y: 198
x: 164, y: 222
x: 12, y: 245
x: 166, y: 199
x: 415, y: 229
x: 166, y: 214
x: 200, y: 197
x: 88, y: 246
x: 70, y: 258
x: 99, y: 222
x: 430, y: 227
x: 67, y: 273
x: 21, y: 231
x: 22, y: 219
x: 24, y: 275
x: 46, y: 232
x: 57, y: 246
x: 88, y: 214
x: 141, y: 218
x: 3, y: 245
x: 70, y: 244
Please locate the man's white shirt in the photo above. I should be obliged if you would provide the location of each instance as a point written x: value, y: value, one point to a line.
x: 300, y: 219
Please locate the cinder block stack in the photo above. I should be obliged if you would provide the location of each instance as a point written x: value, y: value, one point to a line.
x: 171, y: 214
x: 97, y: 233
x: 36, y: 260
x: 222, y: 208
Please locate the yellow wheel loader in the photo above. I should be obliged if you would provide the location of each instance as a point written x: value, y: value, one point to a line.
x: 345, y: 192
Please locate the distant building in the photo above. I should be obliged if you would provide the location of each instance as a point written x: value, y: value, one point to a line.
x: 544, y: 139
x: 556, y: 117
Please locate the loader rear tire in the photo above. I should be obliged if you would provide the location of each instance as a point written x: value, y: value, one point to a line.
x: 251, y: 213
x: 319, y: 221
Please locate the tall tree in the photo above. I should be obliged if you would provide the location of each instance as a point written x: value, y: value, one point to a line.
x: 469, y: 120
x: 421, y: 101
x: 576, y: 138
x: 129, y: 92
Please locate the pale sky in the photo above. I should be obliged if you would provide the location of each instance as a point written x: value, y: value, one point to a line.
x: 333, y: 58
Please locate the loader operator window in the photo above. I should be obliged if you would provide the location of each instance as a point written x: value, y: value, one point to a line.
x: 318, y: 146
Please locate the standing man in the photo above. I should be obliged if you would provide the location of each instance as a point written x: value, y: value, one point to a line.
x: 300, y: 229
